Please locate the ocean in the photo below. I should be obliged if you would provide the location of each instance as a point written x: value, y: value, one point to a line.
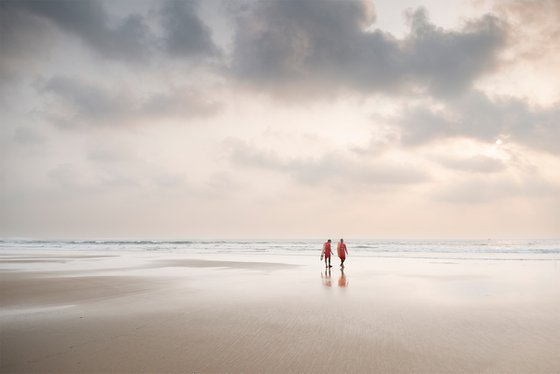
x: 548, y: 249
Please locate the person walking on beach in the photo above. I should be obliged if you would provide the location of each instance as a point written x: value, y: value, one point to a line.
x: 327, y: 253
x: 342, y: 252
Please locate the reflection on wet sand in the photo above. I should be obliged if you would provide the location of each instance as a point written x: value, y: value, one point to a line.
x: 343, y: 280
x: 326, y: 278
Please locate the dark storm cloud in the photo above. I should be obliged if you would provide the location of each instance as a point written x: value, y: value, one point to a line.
x: 185, y: 33
x: 308, y: 42
x: 318, y: 45
x: 475, y: 115
x: 330, y: 166
x: 309, y: 46
x: 24, y: 42
x: 129, y: 38
x: 449, y: 61
x: 84, y: 102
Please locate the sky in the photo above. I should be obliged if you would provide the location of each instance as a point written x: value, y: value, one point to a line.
x: 404, y: 119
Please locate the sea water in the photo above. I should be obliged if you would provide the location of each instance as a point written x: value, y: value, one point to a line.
x: 491, y: 249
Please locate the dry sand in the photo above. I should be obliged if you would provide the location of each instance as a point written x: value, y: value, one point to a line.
x: 263, y: 313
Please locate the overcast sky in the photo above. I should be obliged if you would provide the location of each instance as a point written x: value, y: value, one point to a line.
x: 280, y: 119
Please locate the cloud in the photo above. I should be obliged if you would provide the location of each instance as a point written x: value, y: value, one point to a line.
x: 105, y: 154
x: 484, y: 190
x: 320, y: 46
x: 305, y: 48
x: 127, y: 39
x: 528, y: 64
x: 218, y: 186
x: 422, y: 124
x: 89, y: 103
x: 24, y: 44
x: 449, y: 61
x: 184, y: 32
x: 130, y: 38
x: 335, y: 168
x: 474, y: 164
x: 537, y: 30
x: 381, y: 140
x: 77, y: 179
x: 28, y: 135
x: 182, y: 103
x: 477, y: 116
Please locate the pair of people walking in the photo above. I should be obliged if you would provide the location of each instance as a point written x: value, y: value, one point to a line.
x: 341, y: 249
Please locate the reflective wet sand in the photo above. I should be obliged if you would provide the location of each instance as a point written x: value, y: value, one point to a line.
x: 139, y: 312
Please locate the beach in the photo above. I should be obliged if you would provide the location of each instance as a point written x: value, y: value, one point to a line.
x: 70, y: 311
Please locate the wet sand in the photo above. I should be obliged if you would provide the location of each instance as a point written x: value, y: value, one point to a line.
x: 271, y: 313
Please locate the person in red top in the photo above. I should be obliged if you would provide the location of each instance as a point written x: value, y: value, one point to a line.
x: 342, y: 252
x: 327, y: 252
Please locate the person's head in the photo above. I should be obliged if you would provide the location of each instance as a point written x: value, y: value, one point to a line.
x: 329, y: 240
x: 342, y: 240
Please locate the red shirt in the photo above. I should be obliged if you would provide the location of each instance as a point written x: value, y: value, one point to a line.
x: 328, y: 249
x: 342, y: 250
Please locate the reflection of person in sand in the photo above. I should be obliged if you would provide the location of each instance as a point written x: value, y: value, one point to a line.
x: 342, y: 281
x: 326, y: 278
x: 342, y: 251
